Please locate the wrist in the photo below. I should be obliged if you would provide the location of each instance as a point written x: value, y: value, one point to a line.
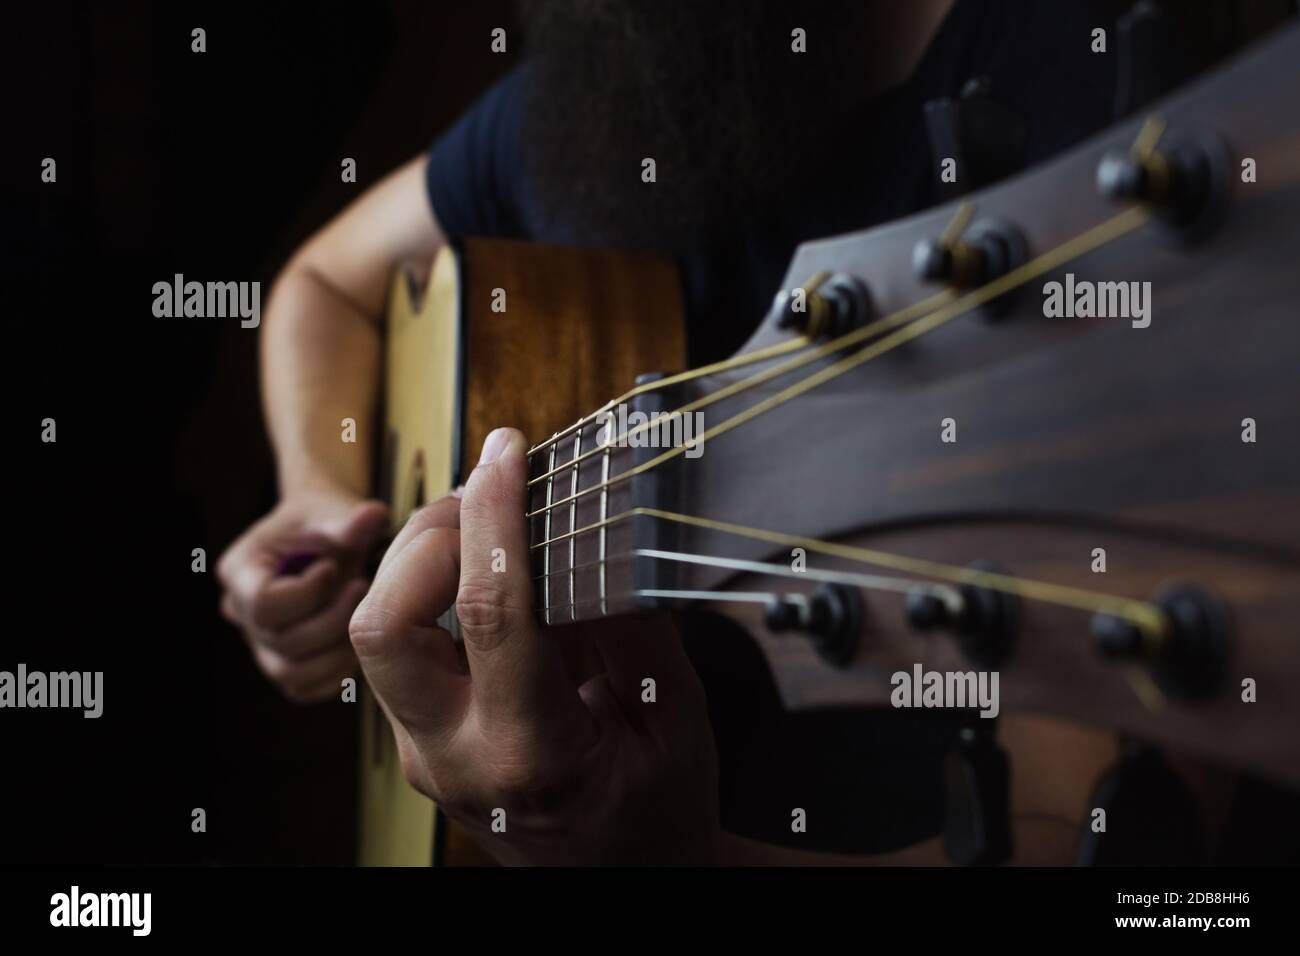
x: 305, y: 481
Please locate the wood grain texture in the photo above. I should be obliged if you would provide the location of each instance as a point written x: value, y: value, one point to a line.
x: 579, y: 326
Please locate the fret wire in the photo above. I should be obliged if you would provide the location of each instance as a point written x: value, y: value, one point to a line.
x: 604, y: 513
x: 573, y: 522
x: 546, y: 535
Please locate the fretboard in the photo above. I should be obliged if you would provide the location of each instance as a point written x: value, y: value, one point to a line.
x: 581, y: 549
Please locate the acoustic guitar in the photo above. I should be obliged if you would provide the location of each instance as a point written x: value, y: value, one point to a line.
x: 938, y: 453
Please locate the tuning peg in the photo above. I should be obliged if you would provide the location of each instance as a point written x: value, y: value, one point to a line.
x: 926, y: 610
x: 984, y: 620
x: 1185, y: 179
x: 833, y: 303
x: 1187, y: 658
x: 988, y: 249
x: 832, y: 617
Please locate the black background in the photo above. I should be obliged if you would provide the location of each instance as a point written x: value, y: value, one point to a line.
x: 215, y: 165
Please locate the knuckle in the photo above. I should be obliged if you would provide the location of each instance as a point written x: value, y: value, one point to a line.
x: 483, y: 610
x: 369, y: 629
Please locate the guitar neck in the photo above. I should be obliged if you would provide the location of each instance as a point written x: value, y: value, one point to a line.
x: 591, y: 548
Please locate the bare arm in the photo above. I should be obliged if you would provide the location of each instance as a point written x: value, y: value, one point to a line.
x: 321, y: 332
x: 293, y: 579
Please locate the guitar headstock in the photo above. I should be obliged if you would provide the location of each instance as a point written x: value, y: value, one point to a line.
x: 1049, y: 431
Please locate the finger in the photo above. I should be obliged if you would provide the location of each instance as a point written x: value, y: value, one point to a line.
x: 296, y: 678
x: 285, y: 601
x: 411, y: 662
x: 244, y: 571
x: 517, y: 673
x: 356, y: 529
x: 443, y: 513
x: 319, y: 632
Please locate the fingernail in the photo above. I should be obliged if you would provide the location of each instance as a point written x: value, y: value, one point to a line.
x: 496, y: 442
x: 458, y: 491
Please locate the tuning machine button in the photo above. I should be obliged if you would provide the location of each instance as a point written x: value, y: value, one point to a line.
x: 1188, y: 658
x: 986, y: 251
x: 832, y: 304
x: 832, y: 617
x: 1184, y: 179
x: 984, y: 620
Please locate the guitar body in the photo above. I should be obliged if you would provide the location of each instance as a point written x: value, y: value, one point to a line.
x: 461, y: 359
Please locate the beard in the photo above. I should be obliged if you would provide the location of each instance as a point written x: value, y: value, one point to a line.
x: 711, y: 90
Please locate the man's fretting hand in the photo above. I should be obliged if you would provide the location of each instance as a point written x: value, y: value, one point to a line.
x: 573, y: 769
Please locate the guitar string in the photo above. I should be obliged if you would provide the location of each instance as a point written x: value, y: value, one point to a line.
x: 960, y: 220
x: 1149, y: 618
x: 736, y: 361
x: 1099, y: 235
x: 891, y: 321
x: 948, y: 595
x: 1143, y: 150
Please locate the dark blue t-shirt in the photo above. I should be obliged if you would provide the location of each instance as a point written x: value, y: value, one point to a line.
x: 1037, y: 55
x: 870, y: 780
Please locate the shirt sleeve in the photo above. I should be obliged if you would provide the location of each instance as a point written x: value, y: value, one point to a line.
x: 474, y: 169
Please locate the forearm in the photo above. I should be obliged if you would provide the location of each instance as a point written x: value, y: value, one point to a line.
x: 321, y: 333
x: 320, y: 365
